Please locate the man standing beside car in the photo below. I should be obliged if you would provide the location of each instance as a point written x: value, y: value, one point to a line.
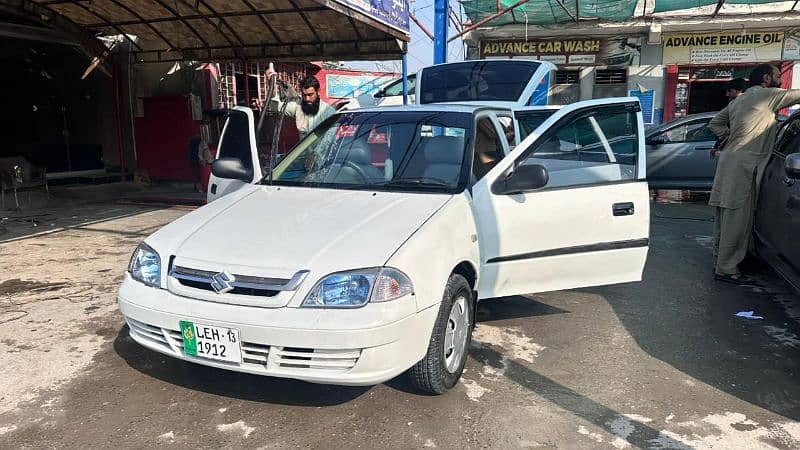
x: 747, y: 128
x: 311, y: 111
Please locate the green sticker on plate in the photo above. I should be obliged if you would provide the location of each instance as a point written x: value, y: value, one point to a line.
x: 189, y: 338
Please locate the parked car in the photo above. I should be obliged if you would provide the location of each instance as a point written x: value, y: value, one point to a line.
x: 390, y: 94
x: 678, y: 154
x: 364, y: 252
x: 777, y: 220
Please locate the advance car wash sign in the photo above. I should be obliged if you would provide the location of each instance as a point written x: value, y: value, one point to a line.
x: 618, y: 51
x: 723, y: 47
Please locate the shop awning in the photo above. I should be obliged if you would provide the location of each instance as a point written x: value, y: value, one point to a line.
x: 217, y: 30
x: 551, y: 12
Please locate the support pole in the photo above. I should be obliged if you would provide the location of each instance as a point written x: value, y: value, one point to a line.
x: 441, y: 8
x: 421, y: 26
x: 118, y: 118
x: 246, y: 72
x: 405, y: 78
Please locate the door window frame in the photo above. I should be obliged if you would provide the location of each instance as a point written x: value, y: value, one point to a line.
x: 639, y: 175
x: 504, y: 149
x: 684, y: 124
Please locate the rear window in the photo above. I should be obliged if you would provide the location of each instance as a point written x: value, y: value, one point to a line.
x: 476, y: 81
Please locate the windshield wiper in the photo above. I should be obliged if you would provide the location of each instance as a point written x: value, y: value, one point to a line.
x: 419, y: 181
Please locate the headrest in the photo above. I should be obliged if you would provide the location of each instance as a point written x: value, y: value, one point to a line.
x: 444, y: 149
x: 360, y: 153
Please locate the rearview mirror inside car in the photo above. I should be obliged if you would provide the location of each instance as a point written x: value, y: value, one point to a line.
x: 232, y: 169
x: 792, y: 166
x: 525, y: 178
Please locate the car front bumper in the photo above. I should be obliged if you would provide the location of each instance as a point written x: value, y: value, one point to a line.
x: 272, y: 346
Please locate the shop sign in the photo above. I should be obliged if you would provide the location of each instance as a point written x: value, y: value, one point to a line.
x: 581, y: 52
x: 723, y: 47
x: 351, y: 86
x: 791, y: 47
x: 391, y: 12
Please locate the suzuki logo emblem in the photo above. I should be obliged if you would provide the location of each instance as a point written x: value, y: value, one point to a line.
x: 222, y: 282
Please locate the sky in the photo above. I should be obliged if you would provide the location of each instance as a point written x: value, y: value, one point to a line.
x: 420, y: 49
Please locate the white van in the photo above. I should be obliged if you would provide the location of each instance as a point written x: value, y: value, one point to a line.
x: 365, y: 251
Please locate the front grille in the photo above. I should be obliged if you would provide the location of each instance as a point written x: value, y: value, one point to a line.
x: 242, y: 285
x: 257, y: 356
x: 149, y: 333
x: 307, y: 358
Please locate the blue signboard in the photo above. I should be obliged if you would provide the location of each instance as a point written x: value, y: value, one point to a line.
x: 646, y: 99
x: 539, y: 97
x: 349, y: 86
x: 391, y: 12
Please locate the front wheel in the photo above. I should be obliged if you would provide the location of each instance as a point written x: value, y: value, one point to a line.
x: 442, y: 366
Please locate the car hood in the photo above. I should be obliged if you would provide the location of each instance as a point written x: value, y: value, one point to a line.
x: 277, y: 231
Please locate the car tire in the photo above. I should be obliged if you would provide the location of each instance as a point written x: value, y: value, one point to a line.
x: 444, y: 362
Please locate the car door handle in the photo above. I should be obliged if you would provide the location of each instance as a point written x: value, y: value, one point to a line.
x: 623, y: 209
x: 703, y: 147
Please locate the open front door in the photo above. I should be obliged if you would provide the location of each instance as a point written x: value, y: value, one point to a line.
x: 588, y: 225
x: 237, y: 141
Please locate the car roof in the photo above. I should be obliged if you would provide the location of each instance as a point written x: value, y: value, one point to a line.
x: 436, y: 107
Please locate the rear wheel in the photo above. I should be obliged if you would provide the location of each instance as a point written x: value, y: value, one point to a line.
x: 447, y: 351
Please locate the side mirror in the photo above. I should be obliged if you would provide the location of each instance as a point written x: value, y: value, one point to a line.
x: 656, y: 140
x: 792, y: 166
x: 232, y: 169
x: 525, y: 178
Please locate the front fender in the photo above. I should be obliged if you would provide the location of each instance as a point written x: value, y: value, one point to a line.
x: 429, y: 256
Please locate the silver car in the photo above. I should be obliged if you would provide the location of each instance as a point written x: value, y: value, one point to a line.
x: 778, y: 214
x: 678, y: 154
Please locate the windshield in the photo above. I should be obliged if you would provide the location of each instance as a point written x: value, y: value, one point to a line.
x: 476, y: 81
x: 399, y: 151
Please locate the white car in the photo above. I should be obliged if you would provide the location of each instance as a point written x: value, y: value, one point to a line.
x: 364, y: 253
x: 390, y: 94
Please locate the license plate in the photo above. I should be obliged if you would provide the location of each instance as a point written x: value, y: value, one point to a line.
x: 208, y: 341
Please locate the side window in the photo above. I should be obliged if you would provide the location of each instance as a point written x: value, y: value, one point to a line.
x: 530, y: 120
x: 396, y: 88
x: 600, y: 146
x: 790, y: 139
x: 507, y: 123
x: 488, y: 148
x: 691, y: 132
x: 235, y: 141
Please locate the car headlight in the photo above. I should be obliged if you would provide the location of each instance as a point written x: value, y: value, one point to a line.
x: 145, y: 266
x: 358, y: 287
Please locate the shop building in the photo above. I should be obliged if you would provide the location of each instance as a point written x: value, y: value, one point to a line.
x: 676, y: 62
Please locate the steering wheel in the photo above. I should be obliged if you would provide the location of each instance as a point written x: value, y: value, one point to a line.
x: 357, y: 169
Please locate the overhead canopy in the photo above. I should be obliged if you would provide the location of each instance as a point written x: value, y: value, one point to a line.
x: 214, y: 30
x: 550, y: 12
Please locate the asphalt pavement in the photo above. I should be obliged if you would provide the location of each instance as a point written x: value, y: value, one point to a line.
x: 664, y: 363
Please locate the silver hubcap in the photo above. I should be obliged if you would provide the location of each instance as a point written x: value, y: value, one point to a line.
x: 455, y: 338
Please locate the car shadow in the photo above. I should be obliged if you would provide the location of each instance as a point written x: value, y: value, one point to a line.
x: 513, y: 307
x: 641, y: 436
x: 225, y: 383
x: 680, y: 315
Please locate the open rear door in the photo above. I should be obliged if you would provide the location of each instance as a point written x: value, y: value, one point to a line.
x: 511, y: 82
x: 588, y: 225
x: 237, y: 141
